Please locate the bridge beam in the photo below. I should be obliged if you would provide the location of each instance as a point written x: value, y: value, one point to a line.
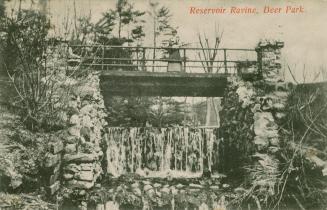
x: 136, y: 83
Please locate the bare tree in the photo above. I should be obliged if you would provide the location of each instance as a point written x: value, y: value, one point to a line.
x: 208, y: 57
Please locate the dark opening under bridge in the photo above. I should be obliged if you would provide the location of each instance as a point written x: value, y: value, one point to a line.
x: 144, y: 71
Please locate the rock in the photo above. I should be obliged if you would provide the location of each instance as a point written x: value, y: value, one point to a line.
x: 146, y: 182
x: 74, y: 120
x: 82, y: 206
x: 80, y: 184
x: 279, y: 106
x: 156, y: 185
x: 87, y: 166
x: 165, y: 190
x: 82, y: 193
x: 158, y: 193
x: 179, y: 186
x: 63, y: 116
x: 151, y: 193
x: 100, y: 207
x: 203, y: 206
x: 51, y: 160
x: 324, y: 171
x: 214, y: 187
x: 84, y: 176
x: 262, y: 142
x: 68, y: 176
x: 85, y: 90
x: 273, y: 149
x: 137, y: 191
x: 54, y: 177
x: 85, y: 110
x: 264, y: 125
x: 147, y: 187
x: 174, y: 191
x: 71, y: 148
x: 195, y: 186
x: 280, y: 115
x: 56, y: 147
x: 86, y: 133
x: 86, y: 121
x: 240, y: 190
x: 73, y: 104
x: 72, y: 168
x: 225, y: 186
x: 74, y: 131
x: 88, y: 147
x: 135, y: 185
x: 274, y: 141
x: 97, y: 169
x: 80, y: 158
x: 54, y: 188
x: 111, y: 205
x: 71, y: 139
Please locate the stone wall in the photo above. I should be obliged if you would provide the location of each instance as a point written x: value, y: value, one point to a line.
x: 250, y: 119
x: 82, y: 140
x: 52, y: 165
x: 72, y: 165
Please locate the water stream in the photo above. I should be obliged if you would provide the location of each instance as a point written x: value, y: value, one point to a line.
x: 160, y: 152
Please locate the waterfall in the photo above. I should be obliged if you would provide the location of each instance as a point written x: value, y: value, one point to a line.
x: 175, y: 151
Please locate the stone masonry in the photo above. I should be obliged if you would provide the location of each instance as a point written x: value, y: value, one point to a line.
x: 262, y: 103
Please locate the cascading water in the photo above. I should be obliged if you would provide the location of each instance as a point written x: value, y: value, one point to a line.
x: 175, y: 151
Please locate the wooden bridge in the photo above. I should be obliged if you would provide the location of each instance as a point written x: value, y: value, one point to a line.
x: 145, y: 71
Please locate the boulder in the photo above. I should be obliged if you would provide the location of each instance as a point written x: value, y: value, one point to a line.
x: 80, y: 158
x: 147, y: 187
x: 54, y: 188
x: 137, y: 192
x: 84, y: 176
x: 80, y: 184
x: 72, y: 168
x: 51, y: 160
x: 86, y: 121
x: 68, y: 176
x: 87, y: 166
x: 195, y: 186
x: 74, y: 120
x: 71, y: 148
x: 74, y: 131
x: 56, y: 147
x: 165, y: 190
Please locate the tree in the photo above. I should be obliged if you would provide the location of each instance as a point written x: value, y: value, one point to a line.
x: 127, y: 15
x: 26, y: 49
x: 161, y: 24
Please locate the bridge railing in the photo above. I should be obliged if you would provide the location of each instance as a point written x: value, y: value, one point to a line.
x: 156, y: 59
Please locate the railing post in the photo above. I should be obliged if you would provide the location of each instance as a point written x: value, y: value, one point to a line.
x: 225, y: 61
x: 184, y: 58
x: 102, y: 60
x: 137, y: 57
x: 143, y: 60
x: 259, y: 61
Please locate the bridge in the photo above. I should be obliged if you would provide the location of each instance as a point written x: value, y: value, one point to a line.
x: 146, y: 71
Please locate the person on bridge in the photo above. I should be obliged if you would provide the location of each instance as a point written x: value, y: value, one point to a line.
x: 174, y: 59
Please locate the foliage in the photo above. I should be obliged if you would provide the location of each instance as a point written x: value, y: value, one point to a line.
x: 145, y: 111
x: 161, y: 22
x: 304, y: 149
x: 299, y: 178
x: 28, y: 55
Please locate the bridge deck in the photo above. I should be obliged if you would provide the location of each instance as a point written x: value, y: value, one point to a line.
x: 137, y: 83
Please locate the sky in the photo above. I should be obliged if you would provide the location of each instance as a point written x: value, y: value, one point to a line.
x: 304, y: 34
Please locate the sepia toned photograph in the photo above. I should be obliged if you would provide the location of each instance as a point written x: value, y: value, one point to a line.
x: 163, y: 105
